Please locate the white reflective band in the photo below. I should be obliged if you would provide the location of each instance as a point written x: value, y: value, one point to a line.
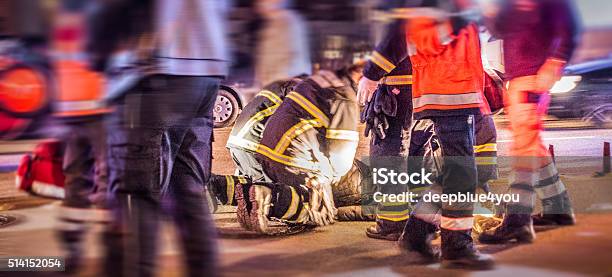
x: 342, y: 134
x: 548, y: 172
x: 48, y: 190
x: 550, y: 190
x: 447, y: 99
x: 456, y: 224
x: 72, y: 106
x: 84, y: 214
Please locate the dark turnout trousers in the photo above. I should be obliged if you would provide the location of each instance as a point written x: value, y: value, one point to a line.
x: 458, y: 176
x: 160, y: 157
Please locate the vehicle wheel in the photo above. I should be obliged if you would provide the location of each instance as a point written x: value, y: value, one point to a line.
x: 226, y: 108
x: 601, y: 116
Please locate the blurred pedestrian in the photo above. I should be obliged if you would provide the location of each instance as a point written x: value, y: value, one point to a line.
x: 79, y: 106
x: 539, y: 39
x: 283, y: 45
x: 160, y: 136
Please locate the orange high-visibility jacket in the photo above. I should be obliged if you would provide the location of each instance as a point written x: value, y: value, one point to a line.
x: 447, y: 69
x: 79, y: 90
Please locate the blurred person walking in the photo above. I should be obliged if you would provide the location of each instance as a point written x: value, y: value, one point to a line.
x: 539, y: 39
x: 79, y: 106
x: 169, y: 57
x: 283, y: 44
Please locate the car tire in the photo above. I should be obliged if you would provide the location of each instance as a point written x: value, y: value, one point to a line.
x: 226, y: 109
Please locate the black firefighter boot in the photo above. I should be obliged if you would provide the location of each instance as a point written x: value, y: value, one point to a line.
x: 417, y: 237
x: 386, y: 229
x: 557, y: 211
x: 517, y: 227
x: 458, y: 251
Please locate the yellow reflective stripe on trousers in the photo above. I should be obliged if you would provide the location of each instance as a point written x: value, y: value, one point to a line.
x: 230, y: 189
x: 342, y: 134
x: 489, y: 147
x: 271, y: 96
x: 393, y: 217
x: 382, y: 62
x: 293, y: 132
x: 456, y: 224
x: 447, y: 99
x: 309, y: 107
x: 397, y: 80
x: 293, y: 206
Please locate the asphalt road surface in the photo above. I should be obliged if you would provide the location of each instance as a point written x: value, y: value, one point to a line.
x: 342, y: 249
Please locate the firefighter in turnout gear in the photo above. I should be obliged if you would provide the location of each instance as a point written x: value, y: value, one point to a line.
x: 245, y: 139
x: 386, y: 90
x: 309, y: 144
x: 250, y: 124
x: 448, y: 89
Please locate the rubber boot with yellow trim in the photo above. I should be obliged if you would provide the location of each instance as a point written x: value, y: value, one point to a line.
x: 223, y: 188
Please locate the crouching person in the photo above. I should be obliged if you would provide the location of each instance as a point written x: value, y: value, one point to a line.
x: 307, y: 144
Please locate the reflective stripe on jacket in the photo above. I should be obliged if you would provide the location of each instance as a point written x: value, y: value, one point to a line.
x: 250, y: 124
x: 315, y: 128
x: 448, y: 75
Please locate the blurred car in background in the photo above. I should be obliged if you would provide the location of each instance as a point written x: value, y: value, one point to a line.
x: 585, y: 91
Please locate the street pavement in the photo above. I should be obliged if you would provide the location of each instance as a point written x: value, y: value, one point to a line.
x: 343, y: 249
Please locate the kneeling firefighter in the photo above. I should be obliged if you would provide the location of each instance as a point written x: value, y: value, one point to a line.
x: 312, y: 127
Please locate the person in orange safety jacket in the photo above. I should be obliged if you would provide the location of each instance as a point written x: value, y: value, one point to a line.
x: 448, y: 89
